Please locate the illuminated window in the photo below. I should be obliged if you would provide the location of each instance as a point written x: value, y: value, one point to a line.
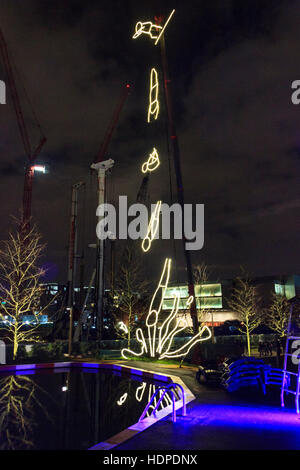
x: 207, y: 296
x: 289, y: 289
x: 181, y: 291
x: 279, y: 289
x: 208, y: 290
x: 209, y: 302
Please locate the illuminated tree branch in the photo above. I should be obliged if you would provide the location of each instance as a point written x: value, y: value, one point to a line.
x: 18, y: 402
x: 277, y: 315
x: 20, y: 289
x: 130, y: 291
x: 245, y: 302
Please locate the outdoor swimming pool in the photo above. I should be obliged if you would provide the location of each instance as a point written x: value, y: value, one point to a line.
x: 69, y: 408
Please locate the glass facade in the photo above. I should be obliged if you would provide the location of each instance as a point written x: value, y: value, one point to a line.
x: 279, y: 288
x: 288, y: 289
x: 208, y: 296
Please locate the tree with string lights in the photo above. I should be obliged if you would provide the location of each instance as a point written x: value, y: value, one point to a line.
x: 20, y: 287
x: 131, y: 292
x: 245, y: 302
x: 277, y: 315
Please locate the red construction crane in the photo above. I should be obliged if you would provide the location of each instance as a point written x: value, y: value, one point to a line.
x: 31, y: 153
x: 111, y: 127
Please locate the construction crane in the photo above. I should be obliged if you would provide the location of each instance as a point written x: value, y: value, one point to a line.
x: 112, y: 125
x: 101, y: 165
x: 31, y: 153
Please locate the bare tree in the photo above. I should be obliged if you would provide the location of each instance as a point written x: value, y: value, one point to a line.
x: 19, y: 403
x: 277, y: 315
x: 131, y: 290
x: 20, y: 289
x: 245, y: 302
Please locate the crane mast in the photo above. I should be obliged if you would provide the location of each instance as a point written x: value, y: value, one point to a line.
x: 101, y: 165
x: 31, y: 154
x: 111, y: 127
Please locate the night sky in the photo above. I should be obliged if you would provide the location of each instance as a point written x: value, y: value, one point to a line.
x: 231, y: 63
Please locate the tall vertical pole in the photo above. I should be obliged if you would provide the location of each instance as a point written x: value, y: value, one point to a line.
x: 177, y: 166
x: 101, y: 168
x: 72, y: 259
x: 27, y: 198
x: 112, y: 267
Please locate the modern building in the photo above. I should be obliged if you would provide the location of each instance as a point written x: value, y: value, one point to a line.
x: 212, y: 297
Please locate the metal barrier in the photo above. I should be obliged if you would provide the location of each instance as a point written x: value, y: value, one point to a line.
x: 166, y: 389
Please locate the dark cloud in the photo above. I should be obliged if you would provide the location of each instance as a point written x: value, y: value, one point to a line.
x: 232, y: 64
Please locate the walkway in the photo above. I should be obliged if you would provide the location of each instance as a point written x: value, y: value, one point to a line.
x: 218, y: 420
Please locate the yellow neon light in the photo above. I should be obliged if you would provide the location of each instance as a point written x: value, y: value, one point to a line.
x: 188, y: 346
x: 141, y: 339
x: 140, y: 391
x: 150, y: 29
x: 153, y: 108
x: 152, y: 317
x: 164, y: 329
x: 123, y: 327
x: 160, y: 337
x: 165, y: 25
x: 122, y: 399
x: 152, y: 228
x: 152, y: 163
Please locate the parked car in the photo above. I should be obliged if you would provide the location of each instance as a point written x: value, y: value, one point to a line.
x: 210, y: 373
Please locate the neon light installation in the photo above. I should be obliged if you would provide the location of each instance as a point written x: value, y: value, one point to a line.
x: 161, y: 333
x: 152, y: 163
x: 151, y: 29
x: 153, y: 108
x: 139, y: 395
x: 148, y: 28
x: 122, y: 399
x: 121, y: 325
x: 152, y: 228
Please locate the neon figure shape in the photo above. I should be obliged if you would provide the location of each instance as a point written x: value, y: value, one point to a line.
x: 122, y: 327
x: 148, y: 28
x: 152, y: 228
x: 153, y: 108
x: 151, y: 29
x: 152, y: 163
x: 161, y: 333
x: 122, y: 399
